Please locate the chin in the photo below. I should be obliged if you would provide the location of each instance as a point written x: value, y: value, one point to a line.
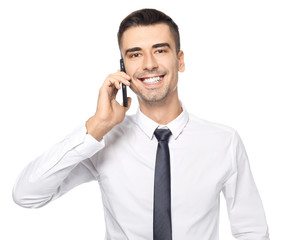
x: 155, y: 99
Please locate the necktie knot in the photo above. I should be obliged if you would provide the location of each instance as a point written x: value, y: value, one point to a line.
x: 162, y: 134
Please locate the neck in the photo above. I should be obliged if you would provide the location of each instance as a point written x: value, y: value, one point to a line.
x: 162, y: 113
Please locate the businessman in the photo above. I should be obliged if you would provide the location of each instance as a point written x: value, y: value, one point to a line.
x: 160, y: 171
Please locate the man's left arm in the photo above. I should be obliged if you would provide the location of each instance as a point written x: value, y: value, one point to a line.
x: 245, y: 209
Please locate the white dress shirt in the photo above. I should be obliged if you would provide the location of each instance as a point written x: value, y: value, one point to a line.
x: 206, y: 158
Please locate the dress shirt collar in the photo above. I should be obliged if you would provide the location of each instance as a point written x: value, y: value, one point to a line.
x: 148, y: 126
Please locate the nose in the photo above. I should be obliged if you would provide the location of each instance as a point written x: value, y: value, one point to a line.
x: 149, y: 62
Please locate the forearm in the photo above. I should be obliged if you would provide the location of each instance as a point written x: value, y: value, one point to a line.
x: 47, y: 177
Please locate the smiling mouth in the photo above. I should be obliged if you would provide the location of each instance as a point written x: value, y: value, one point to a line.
x: 152, y: 80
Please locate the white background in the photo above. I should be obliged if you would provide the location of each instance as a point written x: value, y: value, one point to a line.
x: 54, y: 55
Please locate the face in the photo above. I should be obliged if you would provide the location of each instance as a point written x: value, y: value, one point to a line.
x: 151, y: 60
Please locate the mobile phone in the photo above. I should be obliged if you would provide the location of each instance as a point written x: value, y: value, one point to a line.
x: 124, y: 88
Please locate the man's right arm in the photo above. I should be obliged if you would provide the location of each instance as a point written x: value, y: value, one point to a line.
x: 67, y: 164
x: 61, y: 168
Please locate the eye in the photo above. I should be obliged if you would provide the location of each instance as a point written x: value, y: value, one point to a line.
x: 160, y: 51
x: 135, y: 55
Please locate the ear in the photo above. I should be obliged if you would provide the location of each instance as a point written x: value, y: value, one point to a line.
x: 181, y: 62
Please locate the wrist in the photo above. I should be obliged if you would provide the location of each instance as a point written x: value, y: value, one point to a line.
x: 97, y: 127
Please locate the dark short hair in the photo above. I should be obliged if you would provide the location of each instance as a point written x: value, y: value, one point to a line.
x: 145, y: 17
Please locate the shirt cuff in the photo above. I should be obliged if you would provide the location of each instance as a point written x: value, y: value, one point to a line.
x: 85, y: 144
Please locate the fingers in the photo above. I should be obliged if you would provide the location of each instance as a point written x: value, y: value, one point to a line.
x: 115, y: 79
x: 110, y: 87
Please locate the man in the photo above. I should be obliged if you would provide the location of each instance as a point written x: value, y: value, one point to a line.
x: 152, y: 188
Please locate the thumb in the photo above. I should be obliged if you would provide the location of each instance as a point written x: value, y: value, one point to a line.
x: 129, y: 100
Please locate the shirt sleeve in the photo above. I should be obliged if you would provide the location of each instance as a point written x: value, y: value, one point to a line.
x: 245, y: 210
x: 63, y: 167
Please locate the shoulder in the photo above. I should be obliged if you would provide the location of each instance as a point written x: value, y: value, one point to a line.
x: 128, y: 124
x: 204, y: 124
x: 208, y: 128
x: 126, y: 127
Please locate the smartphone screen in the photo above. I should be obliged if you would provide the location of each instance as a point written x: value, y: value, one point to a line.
x: 124, y: 88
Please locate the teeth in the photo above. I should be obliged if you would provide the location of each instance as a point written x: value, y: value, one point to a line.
x: 152, y: 80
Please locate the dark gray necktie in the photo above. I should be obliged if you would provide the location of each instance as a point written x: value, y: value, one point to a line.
x: 162, y: 225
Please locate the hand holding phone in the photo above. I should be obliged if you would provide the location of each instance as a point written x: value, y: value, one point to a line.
x: 109, y: 111
x: 124, y: 88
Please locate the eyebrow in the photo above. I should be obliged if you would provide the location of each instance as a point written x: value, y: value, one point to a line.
x: 158, y: 45
x: 135, y: 49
